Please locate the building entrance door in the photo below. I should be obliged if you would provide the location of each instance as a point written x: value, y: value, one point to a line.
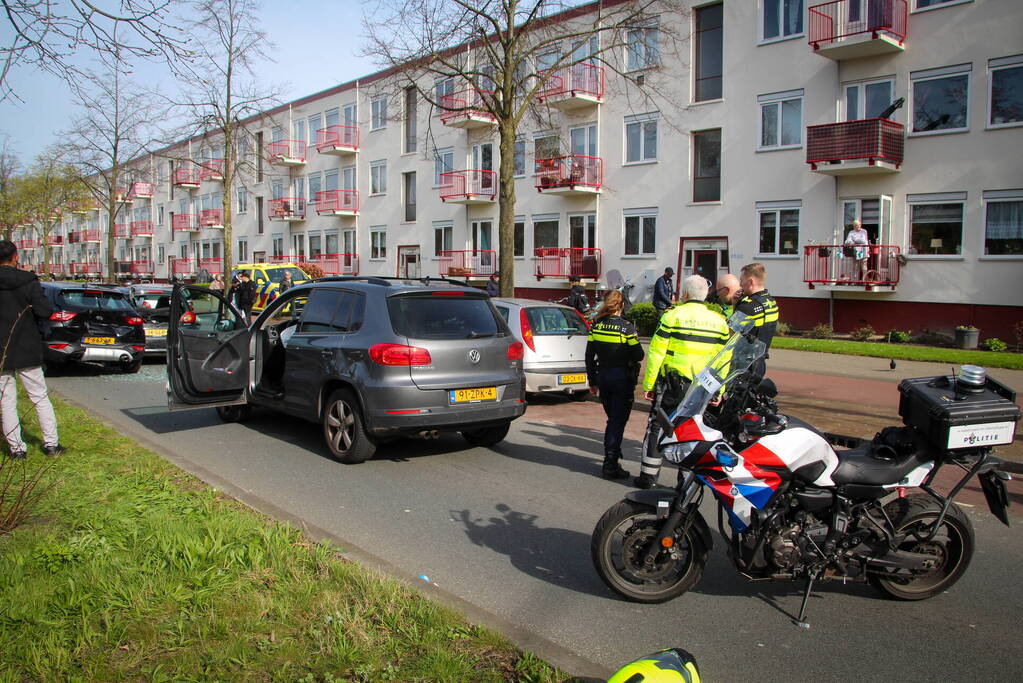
x: 408, y: 261
x: 705, y: 263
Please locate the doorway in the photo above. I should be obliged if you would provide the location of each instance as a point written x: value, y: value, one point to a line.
x: 705, y: 263
x: 408, y: 261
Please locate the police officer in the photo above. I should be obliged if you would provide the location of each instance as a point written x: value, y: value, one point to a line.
x: 613, y: 354
x: 758, y: 304
x: 725, y: 294
x: 687, y: 338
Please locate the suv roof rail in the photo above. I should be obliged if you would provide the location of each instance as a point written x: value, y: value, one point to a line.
x: 386, y: 280
x: 372, y: 279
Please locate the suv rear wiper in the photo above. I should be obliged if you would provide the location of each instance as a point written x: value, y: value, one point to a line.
x: 480, y: 335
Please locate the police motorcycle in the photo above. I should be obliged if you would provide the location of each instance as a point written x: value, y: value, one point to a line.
x: 797, y: 508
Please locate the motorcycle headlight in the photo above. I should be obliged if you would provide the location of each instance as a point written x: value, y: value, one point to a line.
x: 677, y: 452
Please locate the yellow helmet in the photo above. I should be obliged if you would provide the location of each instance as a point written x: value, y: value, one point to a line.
x: 673, y: 665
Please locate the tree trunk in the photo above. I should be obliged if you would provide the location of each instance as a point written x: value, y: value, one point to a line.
x: 226, y: 204
x: 506, y: 208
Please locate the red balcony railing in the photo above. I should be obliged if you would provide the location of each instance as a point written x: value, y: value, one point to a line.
x: 570, y: 171
x: 211, y: 169
x: 470, y: 184
x: 286, y: 151
x: 566, y: 262
x: 466, y: 105
x: 337, y: 264
x: 141, y: 190
x: 54, y: 240
x: 142, y: 267
x: 182, y: 266
x: 29, y: 243
x: 84, y: 206
x: 86, y: 268
x: 474, y: 262
x: 80, y: 236
x: 142, y: 228
x: 186, y: 177
x: 579, y: 80
x: 212, y: 265
x: 869, y: 139
x: 211, y: 218
x: 122, y: 231
x: 835, y: 264
x: 286, y: 258
x: 333, y: 138
x: 122, y: 194
x: 334, y: 201
x: 185, y: 222
x: 56, y: 269
x: 287, y: 208
x: 833, y: 21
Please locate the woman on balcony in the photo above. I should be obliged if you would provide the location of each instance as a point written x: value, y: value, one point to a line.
x: 858, y: 240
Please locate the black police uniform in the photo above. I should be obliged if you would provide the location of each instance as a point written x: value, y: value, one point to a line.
x: 613, y: 354
x: 763, y: 309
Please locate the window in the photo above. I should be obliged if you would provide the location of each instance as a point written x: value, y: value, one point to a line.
x: 519, y: 237
x: 1003, y: 223
x: 868, y: 100
x: 641, y: 138
x: 1005, y: 101
x: 378, y: 113
x: 642, y: 48
x: 709, y: 51
x: 941, y: 99
x: 331, y: 117
x: 936, y: 223
x: 779, y: 227
x: 707, y: 166
x: 314, y: 186
x: 315, y: 124
x: 330, y: 179
x: 243, y: 200
x: 443, y: 89
x: 781, y: 119
x: 545, y: 146
x: 520, y: 158
x: 784, y: 18
x: 442, y: 237
x: 923, y: 4
x: 378, y: 177
x: 315, y: 245
x: 443, y: 162
x: 298, y: 130
x: 378, y: 243
x: 350, y: 114
x: 545, y: 232
x: 640, y: 232
x: 159, y: 215
x: 161, y: 253
x: 409, y: 194
x: 277, y: 246
x: 243, y: 251
x: 546, y: 61
x: 410, y: 120
x: 260, y: 226
x: 582, y: 230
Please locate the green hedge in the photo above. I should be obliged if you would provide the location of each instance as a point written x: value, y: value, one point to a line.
x: 644, y: 316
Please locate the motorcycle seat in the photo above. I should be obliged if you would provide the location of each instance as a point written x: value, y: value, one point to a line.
x: 864, y: 465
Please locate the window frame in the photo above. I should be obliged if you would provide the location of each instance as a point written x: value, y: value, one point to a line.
x: 990, y: 197
x: 440, y: 166
x: 378, y: 251
x: 378, y: 113
x: 782, y: 36
x: 934, y: 199
x: 650, y: 29
x: 777, y: 207
x: 927, y: 75
x: 641, y: 120
x: 778, y: 101
x: 519, y: 152
x: 994, y: 66
x: 696, y: 62
x: 941, y: 5
x: 641, y: 215
x: 443, y: 237
x: 241, y: 200
x: 378, y: 178
x: 696, y: 135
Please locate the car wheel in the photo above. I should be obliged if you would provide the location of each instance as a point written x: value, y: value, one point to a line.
x: 131, y: 367
x: 487, y: 436
x: 344, y: 429
x: 238, y: 413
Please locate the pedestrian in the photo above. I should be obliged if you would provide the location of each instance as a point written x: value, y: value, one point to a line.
x: 613, y: 355
x: 757, y: 303
x: 664, y: 292
x: 686, y: 339
x: 493, y: 285
x: 245, y: 295
x: 217, y: 285
x: 22, y: 304
x: 725, y: 294
x: 856, y: 243
x: 286, y: 282
x: 577, y: 298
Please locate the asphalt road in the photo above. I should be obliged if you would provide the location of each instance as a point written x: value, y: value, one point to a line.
x: 504, y: 534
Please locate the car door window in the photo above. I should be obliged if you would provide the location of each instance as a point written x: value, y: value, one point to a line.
x: 206, y: 312
x: 318, y: 314
x: 503, y: 311
x: 350, y: 312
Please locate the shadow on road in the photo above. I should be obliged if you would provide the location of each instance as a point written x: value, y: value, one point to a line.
x: 575, y: 449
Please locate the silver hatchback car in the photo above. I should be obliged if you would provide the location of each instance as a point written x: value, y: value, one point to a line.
x: 554, y: 337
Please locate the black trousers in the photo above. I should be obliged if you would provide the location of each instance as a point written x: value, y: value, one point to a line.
x: 617, y: 394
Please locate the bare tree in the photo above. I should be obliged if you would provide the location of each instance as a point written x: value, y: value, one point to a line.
x: 12, y: 209
x: 222, y: 97
x: 506, y: 52
x: 46, y: 191
x: 47, y: 34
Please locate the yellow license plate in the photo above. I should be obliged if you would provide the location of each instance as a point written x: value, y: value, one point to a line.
x: 572, y: 379
x: 156, y: 333
x: 98, y: 340
x: 472, y: 395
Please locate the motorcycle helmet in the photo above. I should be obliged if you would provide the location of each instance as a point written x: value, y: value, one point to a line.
x: 673, y: 665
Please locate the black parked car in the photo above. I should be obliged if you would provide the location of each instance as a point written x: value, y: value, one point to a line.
x: 368, y: 358
x: 92, y: 323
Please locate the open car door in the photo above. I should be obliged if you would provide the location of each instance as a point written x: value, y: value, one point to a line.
x: 207, y: 350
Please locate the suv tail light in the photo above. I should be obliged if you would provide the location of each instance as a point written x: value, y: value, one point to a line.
x: 62, y: 316
x: 515, y: 351
x: 133, y: 320
x: 399, y: 354
x: 527, y: 329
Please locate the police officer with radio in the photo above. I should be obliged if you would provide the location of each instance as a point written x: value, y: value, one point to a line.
x: 758, y: 304
x: 613, y: 354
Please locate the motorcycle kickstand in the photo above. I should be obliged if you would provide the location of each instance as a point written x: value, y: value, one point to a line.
x: 801, y: 621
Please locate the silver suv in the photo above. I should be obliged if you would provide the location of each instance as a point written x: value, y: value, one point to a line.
x: 369, y: 358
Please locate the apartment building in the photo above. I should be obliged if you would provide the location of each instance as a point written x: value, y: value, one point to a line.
x: 775, y: 126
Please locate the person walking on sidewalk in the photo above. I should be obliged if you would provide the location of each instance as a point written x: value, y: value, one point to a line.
x: 664, y: 296
x: 758, y: 304
x: 22, y: 302
x: 687, y: 338
x: 613, y: 355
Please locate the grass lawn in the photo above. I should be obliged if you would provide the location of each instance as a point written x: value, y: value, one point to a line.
x: 130, y: 569
x: 987, y: 359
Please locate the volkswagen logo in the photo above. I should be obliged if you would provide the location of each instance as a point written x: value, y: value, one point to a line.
x: 473, y: 356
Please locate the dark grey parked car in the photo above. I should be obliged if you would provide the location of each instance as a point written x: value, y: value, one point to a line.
x: 369, y: 358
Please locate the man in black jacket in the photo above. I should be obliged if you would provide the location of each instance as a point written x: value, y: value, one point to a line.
x: 22, y: 302
x: 664, y: 294
x: 245, y: 294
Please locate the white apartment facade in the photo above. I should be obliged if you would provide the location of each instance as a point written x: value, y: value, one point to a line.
x: 765, y: 141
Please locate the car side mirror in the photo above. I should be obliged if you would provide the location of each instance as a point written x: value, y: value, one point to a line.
x: 260, y: 281
x: 187, y: 318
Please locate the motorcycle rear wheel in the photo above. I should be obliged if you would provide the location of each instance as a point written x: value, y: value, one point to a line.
x: 952, y: 545
x: 619, y: 543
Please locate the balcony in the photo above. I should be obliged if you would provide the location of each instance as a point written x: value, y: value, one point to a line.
x: 141, y: 190
x: 466, y: 109
x: 575, y: 87
x: 57, y: 269
x: 122, y: 231
x: 143, y: 267
x: 571, y: 174
x: 182, y: 266
x: 84, y: 206
x: 29, y: 243
x: 286, y: 258
x: 142, y: 228
x: 868, y: 146
x: 212, y: 170
x: 85, y: 268
x: 211, y: 218
x: 338, y: 140
x: 286, y: 152
x: 337, y: 203
x: 185, y: 222
x: 834, y: 267
x: 287, y: 209
x: 122, y: 195
x: 54, y: 240
x: 583, y: 262
x: 85, y: 236
x: 851, y: 29
x: 212, y: 266
x: 468, y: 187
x: 337, y: 264
x: 470, y: 263
x: 187, y: 178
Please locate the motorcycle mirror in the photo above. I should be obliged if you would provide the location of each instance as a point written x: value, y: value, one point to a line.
x: 767, y: 388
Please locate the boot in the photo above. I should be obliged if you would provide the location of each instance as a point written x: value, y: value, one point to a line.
x: 645, y: 481
x: 612, y: 470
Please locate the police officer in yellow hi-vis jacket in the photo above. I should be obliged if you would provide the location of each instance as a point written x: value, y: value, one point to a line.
x: 758, y: 304
x: 687, y: 338
x: 613, y: 354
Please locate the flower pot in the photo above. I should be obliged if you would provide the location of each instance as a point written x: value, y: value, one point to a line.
x: 967, y: 338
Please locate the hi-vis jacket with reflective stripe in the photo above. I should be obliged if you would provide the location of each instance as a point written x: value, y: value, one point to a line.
x: 612, y: 344
x: 762, y: 307
x: 688, y: 336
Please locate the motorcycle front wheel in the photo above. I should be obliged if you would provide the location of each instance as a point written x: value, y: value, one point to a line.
x: 620, y: 542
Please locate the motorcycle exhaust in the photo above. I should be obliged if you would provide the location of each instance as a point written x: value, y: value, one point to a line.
x: 125, y: 358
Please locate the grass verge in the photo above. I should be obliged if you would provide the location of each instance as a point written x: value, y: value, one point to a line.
x: 987, y: 359
x: 131, y: 569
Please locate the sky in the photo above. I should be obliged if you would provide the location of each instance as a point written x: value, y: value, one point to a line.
x: 316, y: 46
